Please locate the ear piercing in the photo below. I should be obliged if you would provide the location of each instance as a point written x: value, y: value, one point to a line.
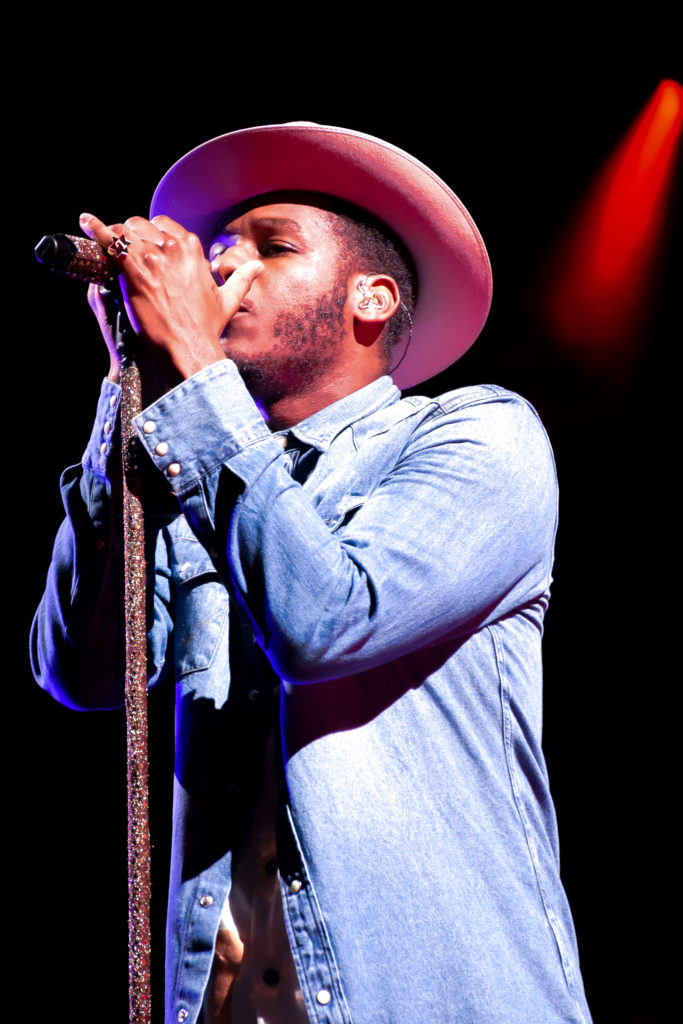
x: 369, y: 294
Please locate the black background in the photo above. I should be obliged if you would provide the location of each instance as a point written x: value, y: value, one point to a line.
x: 518, y: 129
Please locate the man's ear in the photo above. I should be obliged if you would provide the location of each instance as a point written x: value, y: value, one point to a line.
x: 374, y: 297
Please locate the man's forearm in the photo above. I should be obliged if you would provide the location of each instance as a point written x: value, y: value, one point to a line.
x: 77, y: 640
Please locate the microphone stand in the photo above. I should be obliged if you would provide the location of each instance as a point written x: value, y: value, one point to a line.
x: 85, y: 260
x: 139, y: 871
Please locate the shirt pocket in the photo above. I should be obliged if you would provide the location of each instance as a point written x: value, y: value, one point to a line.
x: 202, y: 608
x: 343, y: 511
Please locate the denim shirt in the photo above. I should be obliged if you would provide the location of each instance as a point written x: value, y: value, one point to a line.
x: 388, y: 562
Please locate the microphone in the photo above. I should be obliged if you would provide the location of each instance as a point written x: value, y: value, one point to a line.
x: 80, y: 258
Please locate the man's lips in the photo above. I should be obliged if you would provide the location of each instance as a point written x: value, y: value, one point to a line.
x: 245, y: 307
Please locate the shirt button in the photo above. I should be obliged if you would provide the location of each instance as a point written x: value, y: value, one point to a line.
x: 182, y: 1015
x: 295, y: 885
x: 112, y: 401
x: 174, y: 469
x: 205, y: 901
x: 323, y: 997
x: 271, y: 977
x: 103, y: 448
x: 149, y: 426
x: 161, y: 448
x: 282, y: 440
x: 107, y: 427
x: 253, y: 695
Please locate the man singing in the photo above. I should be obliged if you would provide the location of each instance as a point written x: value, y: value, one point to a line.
x: 348, y: 590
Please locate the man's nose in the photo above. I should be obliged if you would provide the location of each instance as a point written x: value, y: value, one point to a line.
x: 227, y: 262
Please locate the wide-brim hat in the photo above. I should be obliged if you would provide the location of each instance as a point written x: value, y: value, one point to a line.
x: 454, y: 273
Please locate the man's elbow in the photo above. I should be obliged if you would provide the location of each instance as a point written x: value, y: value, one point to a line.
x: 78, y: 679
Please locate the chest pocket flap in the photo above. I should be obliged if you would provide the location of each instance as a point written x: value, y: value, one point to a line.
x: 201, y: 609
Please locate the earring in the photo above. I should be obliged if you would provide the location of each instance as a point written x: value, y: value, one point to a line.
x: 369, y: 294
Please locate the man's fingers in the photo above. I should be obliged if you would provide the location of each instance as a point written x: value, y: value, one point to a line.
x: 135, y: 228
x: 93, y: 227
x: 160, y: 232
x: 102, y: 303
x: 95, y: 300
x: 238, y: 284
x: 163, y: 251
x: 168, y: 226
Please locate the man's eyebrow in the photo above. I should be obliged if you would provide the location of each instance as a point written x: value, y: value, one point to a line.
x: 267, y: 223
x: 278, y: 222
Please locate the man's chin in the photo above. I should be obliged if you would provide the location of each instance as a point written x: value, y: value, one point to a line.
x: 243, y: 353
x: 270, y: 377
x: 260, y: 375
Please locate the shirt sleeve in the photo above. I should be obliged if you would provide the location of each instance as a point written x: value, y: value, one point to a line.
x: 77, y: 639
x: 455, y: 534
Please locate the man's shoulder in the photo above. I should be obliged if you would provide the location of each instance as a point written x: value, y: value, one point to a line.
x: 496, y: 426
x: 486, y: 405
x: 468, y: 397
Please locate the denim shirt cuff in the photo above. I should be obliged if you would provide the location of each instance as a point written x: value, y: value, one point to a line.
x: 98, y: 451
x: 206, y: 421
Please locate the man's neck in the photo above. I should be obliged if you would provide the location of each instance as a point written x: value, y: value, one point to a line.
x: 285, y: 411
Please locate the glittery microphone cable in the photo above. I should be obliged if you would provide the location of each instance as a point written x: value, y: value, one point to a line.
x: 139, y: 874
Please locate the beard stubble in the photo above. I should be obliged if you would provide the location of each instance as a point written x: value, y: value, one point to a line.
x: 305, y: 345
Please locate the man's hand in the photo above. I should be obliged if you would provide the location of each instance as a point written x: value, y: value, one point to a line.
x: 172, y: 300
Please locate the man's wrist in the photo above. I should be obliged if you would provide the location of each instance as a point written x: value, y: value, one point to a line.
x: 204, y: 422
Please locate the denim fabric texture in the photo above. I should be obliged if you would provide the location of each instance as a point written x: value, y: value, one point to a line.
x: 385, y: 567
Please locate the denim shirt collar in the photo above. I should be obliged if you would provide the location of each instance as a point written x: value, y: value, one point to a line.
x: 320, y: 429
